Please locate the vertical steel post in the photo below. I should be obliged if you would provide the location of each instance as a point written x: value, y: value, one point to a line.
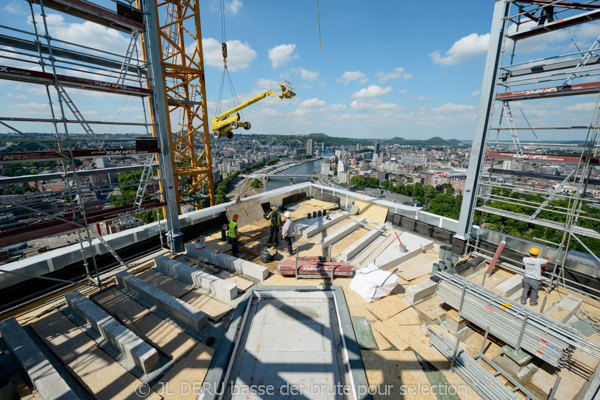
x: 518, y: 348
x: 454, y: 355
x: 462, y: 300
x: 488, y: 89
x: 487, y: 330
x: 554, y: 388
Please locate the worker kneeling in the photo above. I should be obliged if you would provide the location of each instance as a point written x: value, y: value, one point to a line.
x: 275, y: 218
x: 533, y: 275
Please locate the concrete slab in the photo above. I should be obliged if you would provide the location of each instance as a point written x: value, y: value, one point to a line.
x: 177, y: 309
x: 420, y: 291
x: 310, y: 227
x: 239, y: 281
x: 46, y: 380
x: 168, y: 338
x: 65, y: 339
x: 165, y: 283
x: 113, y: 300
x: 342, y: 232
x: 394, y: 256
x: 565, y: 309
x: 106, y: 378
x: 228, y: 262
x: 354, y: 249
x: 197, y: 278
x: 510, y: 286
x: 127, y: 342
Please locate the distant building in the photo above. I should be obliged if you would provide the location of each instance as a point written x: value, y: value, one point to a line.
x: 414, y: 160
x: 357, y: 146
x: 340, y: 167
x: 322, y: 146
x: 309, y: 147
x: 376, y: 148
x: 343, y: 177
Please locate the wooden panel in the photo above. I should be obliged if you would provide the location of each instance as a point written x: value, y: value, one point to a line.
x: 191, y: 370
x: 165, y: 283
x: 416, y: 267
x: 248, y: 212
x: 388, y: 306
x: 114, y: 300
x: 241, y: 283
x: 168, y: 338
x: 395, y: 368
x: 214, y: 309
x: 65, y: 339
x: 431, y: 308
x: 105, y: 378
x: 371, y: 211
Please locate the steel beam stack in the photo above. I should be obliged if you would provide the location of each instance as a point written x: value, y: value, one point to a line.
x: 484, y: 383
x: 514, y: 324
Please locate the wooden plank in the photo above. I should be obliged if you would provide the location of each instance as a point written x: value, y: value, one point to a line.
x: 382, y: 343
x: 63, y: 337
x: 394, y: 370
x: 388, y: 306
x: 170, y: 339
x: 431, y: 308
x: 214, y: 309
x: 165, y: 283
x: 191, y: 370
x: 105, y: 378
x: 114, y: 300
x: 371, y: 211
x: 417, y: 266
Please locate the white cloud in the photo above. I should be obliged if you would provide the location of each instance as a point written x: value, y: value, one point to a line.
x: 312, y: 103
x: 282, y: 54
x: 334, y: 108
x: 582, y: 107
x: 233, y: 6
x: 239, y: 55
x: 306, y: 75
x: 350, y: 76
x: 475, y: 93
x: 403, y: 91
x: 371, y: 91
x: 30, y: 106
x: 14, y: 8
x: 422, y: 98
x: 16, y: 96
x: 354, y: 116
x: 450, y: 107
x: 464, y: 49
x: 373, y: 105
x: 395, y: 74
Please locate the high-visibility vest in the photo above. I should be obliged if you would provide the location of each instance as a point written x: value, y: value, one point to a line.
x: 275, y: 218
x: 232, y: 228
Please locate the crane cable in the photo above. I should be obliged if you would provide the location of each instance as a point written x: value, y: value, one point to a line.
x: 319, y: 22
x: 225, y: 69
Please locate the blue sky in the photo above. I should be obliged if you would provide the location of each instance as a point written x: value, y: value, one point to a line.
x: 387, y: 68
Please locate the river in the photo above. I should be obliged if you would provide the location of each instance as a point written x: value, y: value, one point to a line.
x: 308, y: 168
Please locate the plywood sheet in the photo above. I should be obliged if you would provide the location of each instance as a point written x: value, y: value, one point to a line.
x: 165, y: 283
x: 388, y: 306
x: 395, y: 368
x: 371, y: 211
x: 114, y: 300
x: 168, y: 338
x: 214, y: 309
x: 416, y: 267
x: 191, y: 370
x: 105, y: 378
x: 65, y: 339
x: 241, y: 283
x: 248, y: 212
x: 431, y: 308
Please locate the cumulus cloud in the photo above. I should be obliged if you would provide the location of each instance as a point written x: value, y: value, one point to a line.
x: 334, y: 108
x: 395, y: 74
x: 371, y: 91
x: 403, y: 91
x: 233, y: 6
x: 14, y: 8
x: 306, y: 75
x: 582, y: 107
x: 239, y: 55
x: 282, y: 54
x: 311, y: 103
x: 350, y: 76
x: 422, y: 98
x: 475, y: 93
x: 373, y: 105
x: 450, y: 107
x: 464, y: 49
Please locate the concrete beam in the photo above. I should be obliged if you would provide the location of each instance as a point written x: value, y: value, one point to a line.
x: 128, y: 343
x: 46, y: 380
x: 228, y: 262
x: 358, y: 246
x: 420, y: 291
x: 179, y: 310
x: 565, y: 309
x: 342, y: 232
x: 393, y: 255
x: 510, y: 286
x: 195, y: 277
x: 311, y: 227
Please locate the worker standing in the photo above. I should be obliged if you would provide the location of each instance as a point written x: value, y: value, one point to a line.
x: 233, y: 235
x: 533, y: 275
x: 275, y: 218
x: 288, y: 229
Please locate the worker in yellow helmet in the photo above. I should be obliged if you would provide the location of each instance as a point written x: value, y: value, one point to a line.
x: 275, y: 218
x: 534, y: 267
x: 233, y: 235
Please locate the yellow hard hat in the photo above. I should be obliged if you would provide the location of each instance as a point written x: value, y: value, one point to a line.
x: 274, y: 208
x: 534, y: 251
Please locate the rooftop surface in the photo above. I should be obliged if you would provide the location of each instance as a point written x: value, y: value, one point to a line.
x: 288, y: 340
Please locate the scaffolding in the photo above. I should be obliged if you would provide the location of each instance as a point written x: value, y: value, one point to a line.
x: 86, y: 195
x: 518, y: 170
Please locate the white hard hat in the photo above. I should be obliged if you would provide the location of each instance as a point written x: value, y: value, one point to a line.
x: 287, y: 214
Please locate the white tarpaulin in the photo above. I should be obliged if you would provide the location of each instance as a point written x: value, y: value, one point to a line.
x: 372, y: 283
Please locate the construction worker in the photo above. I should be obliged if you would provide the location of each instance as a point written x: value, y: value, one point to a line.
x: 275, y: 218
x: 547, y: 14
x: 533, y: 275
x: 233, y: 235
x: 288, y: 229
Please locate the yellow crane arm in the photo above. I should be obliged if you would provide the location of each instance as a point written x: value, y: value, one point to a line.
x: 224, y: 123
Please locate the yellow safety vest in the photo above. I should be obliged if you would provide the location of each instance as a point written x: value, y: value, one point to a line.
x: 275, y: 218
x: 232, y: 228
